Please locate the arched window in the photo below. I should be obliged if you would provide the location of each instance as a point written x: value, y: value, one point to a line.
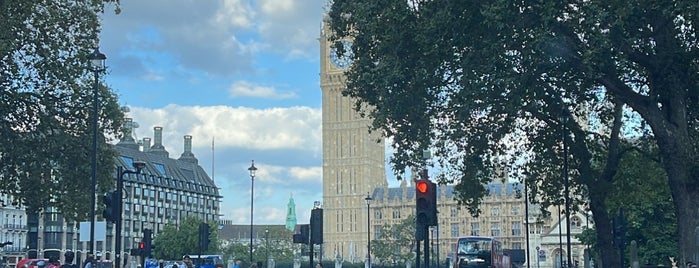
x: 575, y: 222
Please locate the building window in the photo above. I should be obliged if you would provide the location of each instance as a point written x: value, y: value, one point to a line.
x: 454, y: 230
x: 516, y: 228
x: 475, y: 228
x: 515, y: 210
x: 377, y: 214
x: 516, y: 245
x: 495, y: 211
x: 396, y: 214
x: 454, y: 212
x: 494, y: 229
x: 575, y: 222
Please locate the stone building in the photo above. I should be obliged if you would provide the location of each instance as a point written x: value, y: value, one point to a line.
x: 167, y: 190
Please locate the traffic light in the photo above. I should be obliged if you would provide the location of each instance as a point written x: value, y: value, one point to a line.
x: 146, y: 244
x: 317, y: 226
x: 112, y: 210
x: 302, y: 236
x: 204, y: 234
x: 426, y: 203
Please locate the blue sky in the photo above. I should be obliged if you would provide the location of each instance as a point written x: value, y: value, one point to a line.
x: 245, y: 73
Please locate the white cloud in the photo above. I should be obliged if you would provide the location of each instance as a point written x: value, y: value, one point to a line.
x: 295, y: 128
x: 303, y: 173
x: 247, y: 89
x: 235, y: 13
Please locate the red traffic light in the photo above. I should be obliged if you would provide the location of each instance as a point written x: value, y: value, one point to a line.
x: 141, y: 245
x: 422, y: 186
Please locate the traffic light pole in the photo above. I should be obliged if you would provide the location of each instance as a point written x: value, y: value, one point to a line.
x: 427, y: 247
x: 417, y: 254
x: 119, y: 199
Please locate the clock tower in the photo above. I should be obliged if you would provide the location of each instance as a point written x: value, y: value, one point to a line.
x: 353, y: 160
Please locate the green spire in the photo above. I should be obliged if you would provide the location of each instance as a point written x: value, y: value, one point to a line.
x: 291, y: 214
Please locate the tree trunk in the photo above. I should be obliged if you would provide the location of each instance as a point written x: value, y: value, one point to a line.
x: 682, y: 169
x: 683, y: 185
x: 605, y: 249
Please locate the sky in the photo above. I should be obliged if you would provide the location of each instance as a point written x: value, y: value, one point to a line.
x: 240, y: 75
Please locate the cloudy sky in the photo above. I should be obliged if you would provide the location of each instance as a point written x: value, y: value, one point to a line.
x: 243, y: 73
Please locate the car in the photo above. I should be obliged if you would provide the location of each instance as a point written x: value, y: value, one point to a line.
x: 30, y: 263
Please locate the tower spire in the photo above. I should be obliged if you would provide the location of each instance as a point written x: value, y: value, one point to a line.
x: 291, y: 214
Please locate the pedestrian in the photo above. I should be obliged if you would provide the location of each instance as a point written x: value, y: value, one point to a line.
x: 254, y: 265
x: 237, y: 264
x: 319, y: 265
x: 89, y: 261
x: 187, y: 261
x: 69, y: 257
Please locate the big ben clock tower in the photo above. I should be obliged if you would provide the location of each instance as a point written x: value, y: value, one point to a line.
x: 353, y: 160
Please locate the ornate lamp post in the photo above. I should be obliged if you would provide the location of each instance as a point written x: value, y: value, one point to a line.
x: 368, y: 229
x: 266, y: 248
x: 97, y: 60
x: 252, y: 170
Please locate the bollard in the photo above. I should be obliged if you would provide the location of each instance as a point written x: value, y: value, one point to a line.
x: 634, y: 254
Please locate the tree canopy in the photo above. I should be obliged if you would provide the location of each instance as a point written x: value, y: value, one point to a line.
x: 490, y: 83
x: 177, y: 240
x: 46, y: 91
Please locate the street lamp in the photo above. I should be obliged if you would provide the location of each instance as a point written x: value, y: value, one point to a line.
x: 252, y: 170
x: 138, y: 165
x: 266, y: 247
x: 96, y: 66
x: 368, y: 229
x: 564, y: 120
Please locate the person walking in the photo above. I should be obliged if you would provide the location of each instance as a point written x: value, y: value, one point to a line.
x: 89, y: 261
x: 69, y: 257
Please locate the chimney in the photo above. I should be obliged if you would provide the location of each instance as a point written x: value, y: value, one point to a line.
x: 187, y: 155
x: 127, y: 140
x: 158, y: 147
x: 146, y: 144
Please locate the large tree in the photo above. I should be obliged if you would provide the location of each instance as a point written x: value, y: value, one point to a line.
x: 46, y: 113
x: 176, y: 240
x: 487, y: 82
x: 396, y: 243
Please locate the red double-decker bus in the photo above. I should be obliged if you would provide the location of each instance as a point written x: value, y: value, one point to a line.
x: 480, y: 251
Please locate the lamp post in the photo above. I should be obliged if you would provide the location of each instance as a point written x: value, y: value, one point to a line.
x: 266, y: 247
x: 564, y: 120
x: 96, y: 66
x: 368, y: 229
x: 252, y: 170
x: 119, y: 207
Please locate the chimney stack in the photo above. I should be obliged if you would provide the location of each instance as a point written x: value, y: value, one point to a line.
x: 187, y: 155
x: 127, y: 140
x: 158, y: 147
x: 146, y: 144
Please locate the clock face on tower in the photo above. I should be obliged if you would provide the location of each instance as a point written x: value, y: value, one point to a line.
x: 344, y: 61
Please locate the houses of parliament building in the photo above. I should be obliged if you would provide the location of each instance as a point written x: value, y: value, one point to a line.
x: 354, y: 169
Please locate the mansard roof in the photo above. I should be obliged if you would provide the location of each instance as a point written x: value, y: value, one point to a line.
x: 165, y: 172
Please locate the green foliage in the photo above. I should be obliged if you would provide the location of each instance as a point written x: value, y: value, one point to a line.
x: 47, y: 95
x: 175, y: 241
x: 396, y: 243
x: 275, y: 243
x: 649, y: 221
x: 487, y: 84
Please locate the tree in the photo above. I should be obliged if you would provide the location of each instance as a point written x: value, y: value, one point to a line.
x: 396, y: 243
x: 645, y: 205
x: 46, y: 116
x: 175, y: 241
x: 277, y: 243
x: 482, y: 83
